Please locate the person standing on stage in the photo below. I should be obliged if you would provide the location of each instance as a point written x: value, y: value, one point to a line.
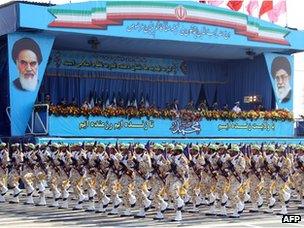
x: 236, y: 107
x: 4, y: 161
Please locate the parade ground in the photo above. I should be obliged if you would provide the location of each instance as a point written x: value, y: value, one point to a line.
x: 12, y: 215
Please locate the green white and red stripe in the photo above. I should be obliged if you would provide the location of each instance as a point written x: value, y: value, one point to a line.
x: 116, y: 12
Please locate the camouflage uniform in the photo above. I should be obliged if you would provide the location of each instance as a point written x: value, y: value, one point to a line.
x: 4, y: 160
x: 236, y: 168
x: 142, y: 169
x: 176, y: 179
x: 15, y: 173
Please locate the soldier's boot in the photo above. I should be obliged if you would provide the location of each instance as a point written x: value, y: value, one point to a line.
x: 163, y: 206
x: 187, y: 199
x: 211, y: 205
x: 41, y: 187
x: 91, y: 207
x: 223, y: 211
x: 283, y: 210
x: 205, y: 201
x: 56, y: 198
x: 142, y: 211
x: 254, y: 208
x: 42, y: 201
x: 132, y: 201
x: 30, y: 191
x: 29, y: 200
x: 286, y: 196
x: 235, y: 213
x: 270, y: 205
x: 17, y: 192
x: 170, y: 206
x: 103, y: 205
x: 65, y: 201
x: 302, y: 203
x: 159, y: 216
x: 247, y: 197
x: 178, y: 216
x: 78, y: 206
x: 241, y: 207
x: 117, y: 202
x: 2, y: 195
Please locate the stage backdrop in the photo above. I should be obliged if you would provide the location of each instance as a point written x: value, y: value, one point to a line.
x: 143, y: 127
x: 28, y: 55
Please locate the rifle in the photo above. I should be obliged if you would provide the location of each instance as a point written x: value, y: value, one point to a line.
x: 63, y: 165
x: 41, y: 163
x: 125, y: 169
x: 156, y: 170
x: 284, y: 178
x: 211, y: 169
x: 220, y: 168
x: 136, y: 168
x: 173, y: 169
x: 195, y: 169
x: 266, y: 167
x: 97, y: 166
x: 232, y: 169
x: 53, y: 164
x: 253, y: 163
x: 300, y: 165
x: 29, y: 163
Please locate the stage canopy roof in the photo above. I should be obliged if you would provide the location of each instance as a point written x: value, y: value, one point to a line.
x: 147, y: 28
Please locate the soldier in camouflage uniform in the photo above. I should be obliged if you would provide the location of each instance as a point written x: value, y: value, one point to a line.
x: 160, y: 166
x: 269, y: 176
x: 299, y: 173
x: 255, y: 177
x: 4, y: 161
x: 176, y: 179
x: 142, y: 168
x: 236, y: 165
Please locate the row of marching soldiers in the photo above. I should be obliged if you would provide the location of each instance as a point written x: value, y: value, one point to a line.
x: 118, y: 177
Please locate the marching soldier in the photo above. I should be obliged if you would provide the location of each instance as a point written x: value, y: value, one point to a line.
x: 126, y: 180
x: 196, y: 163
x: 299, y: 173
x: 211, y: 158
x: 160, y: 166
x: 41, y: 172
x: 222, y: 178
x: 102, y: 163
x: 91, y: 175
x: 283, y: 169
x: 15, y: 173
x: 176, y: 179
x: 113, y: 178
x: 54, y: 178
x: 4, y: 161
x: 65, y: 163
x: 78, y: 174
x: 269, y: 176
x: 256, y: 178
x: 142, y: 168
x: 28, y: 171
x: 236, y: 165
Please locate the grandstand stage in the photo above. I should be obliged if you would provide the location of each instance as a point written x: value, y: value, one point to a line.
x: 148, y: 53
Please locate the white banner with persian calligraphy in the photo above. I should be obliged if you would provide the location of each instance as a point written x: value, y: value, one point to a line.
x: 116, y: 63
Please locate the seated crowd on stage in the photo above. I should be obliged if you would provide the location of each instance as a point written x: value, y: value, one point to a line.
x: 134, y: 108
x: 117, y: 179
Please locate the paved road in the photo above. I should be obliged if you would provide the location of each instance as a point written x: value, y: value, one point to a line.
x: 20, y: 215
